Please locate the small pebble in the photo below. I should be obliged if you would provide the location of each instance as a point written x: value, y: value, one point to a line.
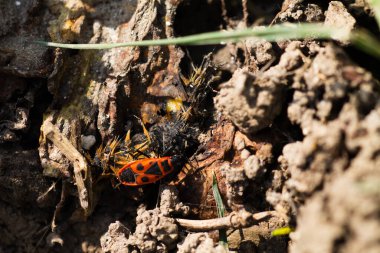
x: 87, y: 141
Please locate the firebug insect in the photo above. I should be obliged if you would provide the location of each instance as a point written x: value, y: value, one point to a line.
x: 149, y: 170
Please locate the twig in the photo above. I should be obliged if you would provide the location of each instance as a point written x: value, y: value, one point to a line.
x: 235, y: 220
x: 82, y: 173
x: 245, y: 12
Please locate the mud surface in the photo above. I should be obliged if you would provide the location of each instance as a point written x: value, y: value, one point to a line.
x: 288, y: 131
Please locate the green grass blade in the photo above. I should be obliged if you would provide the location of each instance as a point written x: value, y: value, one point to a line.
x: 375, y: 4
x: 273, y: 33
x: 366, y: 42
x: 221, y: 210
x: 282, y: 231
x: 217, y: 197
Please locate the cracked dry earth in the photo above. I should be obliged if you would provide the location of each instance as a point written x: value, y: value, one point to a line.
x: 290, y: 130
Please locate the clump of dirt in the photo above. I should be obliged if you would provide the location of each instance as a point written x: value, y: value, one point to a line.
x: 252, y: 102
x: 116, y: 238
x: 343, y: 224
x: 299, y: 11
x: 155, y: 230
x: 250, y: 106
x: 321, y: 106
x: 338, y: 16
x: 336, y: 108
x: 199, y: 242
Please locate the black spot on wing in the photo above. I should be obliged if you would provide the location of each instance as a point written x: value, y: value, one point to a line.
x: 166, y: 166
x: 154, y: 170
x: 140, y: 167
x: 127, y: 176
x: 145, y: 179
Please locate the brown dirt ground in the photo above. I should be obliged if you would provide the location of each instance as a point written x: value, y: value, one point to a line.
x: 291, y: 127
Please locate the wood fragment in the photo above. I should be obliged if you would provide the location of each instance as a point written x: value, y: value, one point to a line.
x: 244, y: 4
x: 82, y: 174
x: 234, y: 220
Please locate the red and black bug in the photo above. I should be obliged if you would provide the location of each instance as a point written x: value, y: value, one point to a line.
x: 149, y: 170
